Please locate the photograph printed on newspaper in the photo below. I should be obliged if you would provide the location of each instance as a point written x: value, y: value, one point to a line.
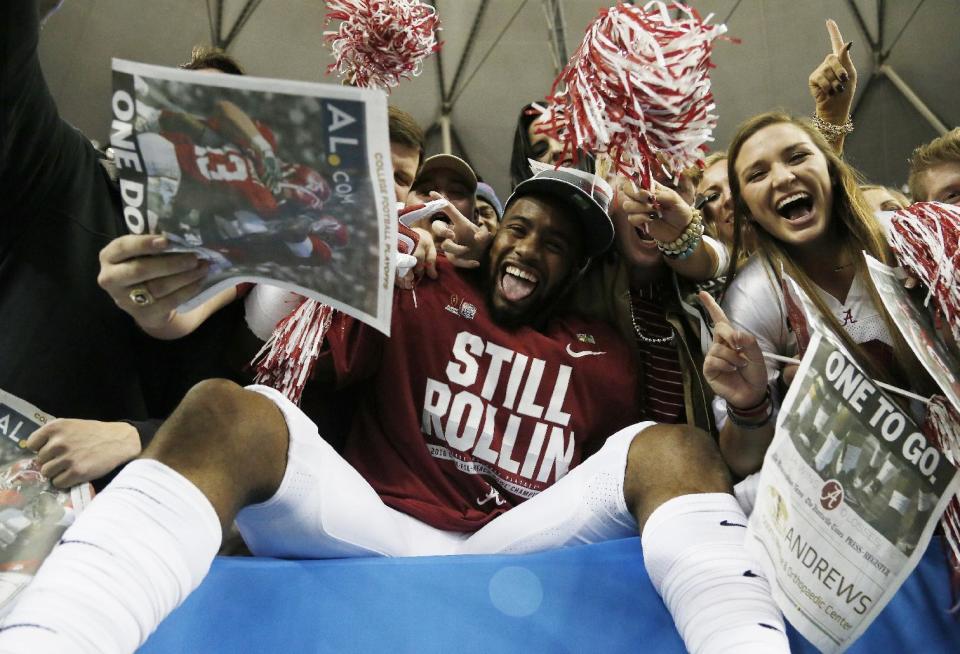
x: 286, y: 183
x: 914, y: 323
x: 33, y: 514
x: 849, y: 496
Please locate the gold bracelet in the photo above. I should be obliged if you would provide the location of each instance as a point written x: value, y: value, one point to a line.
x: 831, y: 131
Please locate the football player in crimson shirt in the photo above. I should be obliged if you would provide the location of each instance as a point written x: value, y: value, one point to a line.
x: 233, y: 157
x: 480, y: 411
x: 229, y: 161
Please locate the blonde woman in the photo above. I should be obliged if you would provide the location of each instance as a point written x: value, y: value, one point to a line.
x: 812, y: 223
x: 714, y: 199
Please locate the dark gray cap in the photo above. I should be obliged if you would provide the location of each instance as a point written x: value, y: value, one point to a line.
x: 586, y: 195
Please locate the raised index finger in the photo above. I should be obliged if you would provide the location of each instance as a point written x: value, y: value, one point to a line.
x: 836, y: 40
x: 132, y: 245
x: 716, y: 313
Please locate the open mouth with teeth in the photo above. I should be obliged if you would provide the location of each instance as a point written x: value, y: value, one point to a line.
x: 796, y: 206
x: 517, y: 283
x: 644, y: 235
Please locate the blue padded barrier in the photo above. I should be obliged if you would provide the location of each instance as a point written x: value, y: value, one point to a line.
x: 594, y: 598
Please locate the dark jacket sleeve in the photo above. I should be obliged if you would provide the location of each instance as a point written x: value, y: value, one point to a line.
x: 146, y: 429
x: 31, y: 133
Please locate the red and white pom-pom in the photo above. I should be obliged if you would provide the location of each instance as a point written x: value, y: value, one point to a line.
x: 637, y: 89
x: 287, y: 360
x: 380, y: 42
x: 944, y: 421
x: 926, y: 239
x: 942, y: 428
x: 295, y: 328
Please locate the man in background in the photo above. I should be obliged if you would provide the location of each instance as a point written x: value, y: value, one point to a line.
x: 489, y: 209
x: 935, y: 170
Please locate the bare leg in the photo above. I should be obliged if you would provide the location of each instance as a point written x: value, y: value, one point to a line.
x: 666, y: 461
x: 149, y: 538
x: 229, y: 442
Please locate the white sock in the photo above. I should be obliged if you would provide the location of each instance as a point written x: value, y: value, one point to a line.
x: 746, y: 492
x: 130, y: 559
x: 693, y: 548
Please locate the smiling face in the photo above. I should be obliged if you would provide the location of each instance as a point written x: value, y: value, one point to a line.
x: 634, y: 244
x: 487, y: 215
x: 534, y: 254
x: 636, y: 247
x: 718, y: 204
x: 785, y: 184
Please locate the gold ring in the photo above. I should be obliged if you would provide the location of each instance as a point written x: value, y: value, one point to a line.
x: 140, y: 296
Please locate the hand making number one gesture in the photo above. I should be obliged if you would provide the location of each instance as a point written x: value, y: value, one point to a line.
x: 833, y: 83
x: 734, y: 365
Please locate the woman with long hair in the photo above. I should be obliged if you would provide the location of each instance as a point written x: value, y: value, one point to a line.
x: 811, y: 223
x: 714, y: 199
x: 716, y: 203
x: 884, y: 198
x: 531, y: 140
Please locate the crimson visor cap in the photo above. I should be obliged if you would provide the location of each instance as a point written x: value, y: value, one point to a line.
x: 585, y: 194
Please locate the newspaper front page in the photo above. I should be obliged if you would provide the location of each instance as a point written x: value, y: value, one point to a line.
x: 286, y: 183
x: 33, y: 514
x: 917, y: 330
x: 848, y: 499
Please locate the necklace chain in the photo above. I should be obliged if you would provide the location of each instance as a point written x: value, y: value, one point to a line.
x: 643, y: 337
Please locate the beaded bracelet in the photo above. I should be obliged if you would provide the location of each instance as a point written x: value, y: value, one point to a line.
x: 680, y: 256
x: 831, y: 131
x: 755, y: 417
x: 684, y: 245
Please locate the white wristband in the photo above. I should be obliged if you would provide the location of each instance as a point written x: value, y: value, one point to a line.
x: 266, y: 306
x: 405, y: 263
x: 722, y: 256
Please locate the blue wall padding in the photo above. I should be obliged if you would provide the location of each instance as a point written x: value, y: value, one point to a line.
x: 594, y: 598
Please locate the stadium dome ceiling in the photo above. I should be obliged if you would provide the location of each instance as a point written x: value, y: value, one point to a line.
x: 500, y: 54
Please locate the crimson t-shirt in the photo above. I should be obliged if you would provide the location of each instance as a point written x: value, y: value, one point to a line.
x: 460, y: 418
